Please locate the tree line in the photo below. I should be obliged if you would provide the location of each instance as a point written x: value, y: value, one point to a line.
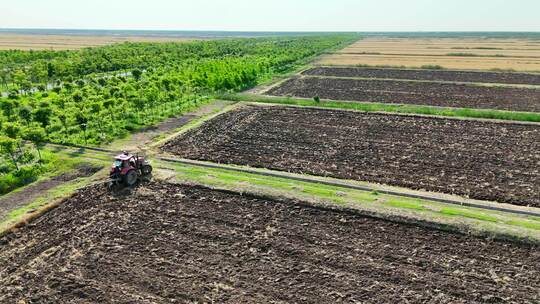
x: 103, y: 93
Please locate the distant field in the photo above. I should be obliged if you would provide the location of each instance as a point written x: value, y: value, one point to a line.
x: 465, y: 53
x: 410, y: 92
x: 69, y: 42
x: 427, y: 75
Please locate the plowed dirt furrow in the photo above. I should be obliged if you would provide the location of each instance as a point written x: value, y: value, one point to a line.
x: 418, y: 93
x: 432, y: 75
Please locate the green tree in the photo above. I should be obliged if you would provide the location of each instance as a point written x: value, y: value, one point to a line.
x: 8, y: 107
x: 50, y: 71
x: 37, y: 135
x: 95, y: 110
x: 22, y: 81
x: 38, y: 72
x: 63, y: 119
x: 43, y: 114
x: 109, y: 105
x: 82, y: 121
x: 4, y: 77
x: 25, y: 113
x: 136, y: 73
x: 77, y: 96
x: 11, y: 129
x: 8, y: 148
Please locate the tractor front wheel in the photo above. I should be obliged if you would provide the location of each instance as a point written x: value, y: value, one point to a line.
x: 131, y: 178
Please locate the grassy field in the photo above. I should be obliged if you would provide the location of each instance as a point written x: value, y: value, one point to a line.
x: 466, y: 53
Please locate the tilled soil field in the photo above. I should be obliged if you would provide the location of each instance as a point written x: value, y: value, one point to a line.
x: 482, y: 160
x: 168, y: 243
x: 410, y: 92
x: 439, y: 75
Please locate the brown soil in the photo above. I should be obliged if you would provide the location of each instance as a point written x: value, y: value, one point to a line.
x: 168, y: 243
x: 23, y: 197
x: 410, y: 92
x: 482, y: 160
x: 438, y: 75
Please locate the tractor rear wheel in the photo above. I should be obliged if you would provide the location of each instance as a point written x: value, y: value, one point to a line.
x: 131, y: 178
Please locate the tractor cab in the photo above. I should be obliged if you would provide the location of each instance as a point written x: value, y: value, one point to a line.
x: 128, y: 169
x: 123, y: 161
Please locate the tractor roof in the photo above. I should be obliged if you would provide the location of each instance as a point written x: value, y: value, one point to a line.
x: 124, y: 156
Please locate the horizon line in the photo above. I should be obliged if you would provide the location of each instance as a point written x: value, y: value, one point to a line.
x: 268, y: 31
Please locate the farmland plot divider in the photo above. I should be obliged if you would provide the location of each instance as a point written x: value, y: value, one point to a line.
x: 346, y: 185
x: 313, y: 180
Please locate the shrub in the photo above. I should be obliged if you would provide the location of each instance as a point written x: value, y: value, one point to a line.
x: 432, y: 67
x: 19, y: 178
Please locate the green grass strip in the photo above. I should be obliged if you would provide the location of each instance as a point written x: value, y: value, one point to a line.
x: 340, y: 196
x: 391, y: 108
x: 468, y: 214
x: 525, y: 224
x: 406, y: 205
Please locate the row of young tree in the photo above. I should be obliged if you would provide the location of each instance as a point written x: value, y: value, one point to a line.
x: 164, y: 80
x: 100, y: 94
x: 21, y: 71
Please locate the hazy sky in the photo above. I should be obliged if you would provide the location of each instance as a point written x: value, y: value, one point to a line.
x: 275, y: 15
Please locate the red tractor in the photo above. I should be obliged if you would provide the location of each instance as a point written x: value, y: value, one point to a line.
x: 128, y: 169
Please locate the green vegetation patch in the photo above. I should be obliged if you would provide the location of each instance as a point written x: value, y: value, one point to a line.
x: 60, y: 192
x: 29, y: 169
x: 525, y: 224
x: 96, y: 95
x: 144, y: 83
x: 468, y: 214
x: 406, y: 205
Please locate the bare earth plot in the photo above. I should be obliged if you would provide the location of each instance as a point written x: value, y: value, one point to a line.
x: 433, y: 75
x: 169, y: 243
x: 482, y: 160
x: 464, y: 53
x: 411, y: 92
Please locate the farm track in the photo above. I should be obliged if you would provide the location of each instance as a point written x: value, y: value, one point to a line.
x: 304, y: 178
x: 167, y: 242
x: 409, y: 92
x: 433, y: 75
x: 482, y: 160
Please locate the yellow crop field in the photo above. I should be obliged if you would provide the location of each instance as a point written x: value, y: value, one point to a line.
x: 464, y: 53
x: 63, y: 42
